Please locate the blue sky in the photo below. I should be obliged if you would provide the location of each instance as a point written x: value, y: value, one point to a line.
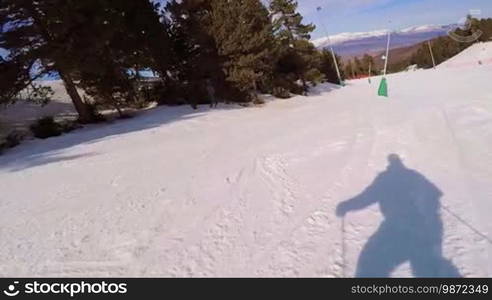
x: 367, y: 15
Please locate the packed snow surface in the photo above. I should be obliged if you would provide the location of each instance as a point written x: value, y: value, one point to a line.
x: 262, y: 191
x: 478, y: 54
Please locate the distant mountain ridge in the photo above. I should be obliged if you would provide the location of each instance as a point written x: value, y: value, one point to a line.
x: 358, y: 43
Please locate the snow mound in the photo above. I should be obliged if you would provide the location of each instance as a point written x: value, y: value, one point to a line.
x: 475, y: 55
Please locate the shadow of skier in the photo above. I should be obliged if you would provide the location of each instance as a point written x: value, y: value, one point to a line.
x: 412, y: 229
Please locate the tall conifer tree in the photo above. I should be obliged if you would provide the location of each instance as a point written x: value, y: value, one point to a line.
x: 297, y: 56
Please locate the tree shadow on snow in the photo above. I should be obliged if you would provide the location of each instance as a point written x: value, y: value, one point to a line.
x: 412, y: 230
x: 37, y: 153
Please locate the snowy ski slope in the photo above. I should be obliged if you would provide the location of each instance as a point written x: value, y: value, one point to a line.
x: 477, y: 54
x: 256, y: 191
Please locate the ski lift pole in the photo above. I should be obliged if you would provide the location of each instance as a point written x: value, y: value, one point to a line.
x: 370, y: 73
x: 387, y: 54
x: 334, y: 57
x: 383, y: 87
x: 336, y: 65
x: 432, y: 54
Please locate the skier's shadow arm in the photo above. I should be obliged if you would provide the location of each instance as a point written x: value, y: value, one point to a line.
x: 368, y: 197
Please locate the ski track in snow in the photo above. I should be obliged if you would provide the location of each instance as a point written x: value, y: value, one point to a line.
x: 253, y: 191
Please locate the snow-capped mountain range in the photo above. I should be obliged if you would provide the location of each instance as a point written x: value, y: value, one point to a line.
x: 357, y: 43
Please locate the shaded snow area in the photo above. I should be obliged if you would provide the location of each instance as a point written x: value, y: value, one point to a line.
x: 299, y: 187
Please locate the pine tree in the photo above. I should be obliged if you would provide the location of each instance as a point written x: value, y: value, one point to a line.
x: 327, y: 67
x: 287, y: 22
x: 124, y: 35
x: 368, y: 63
x: 91, y: 44
x: 350, y: 69
x: 225, y: 43
x: 358, y: 68
x: 298, y: 59
x: 31, y: 34
x: 195, y: 54
x: 18, y: 82
x: 244, y: 40
x: 132, y: 30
